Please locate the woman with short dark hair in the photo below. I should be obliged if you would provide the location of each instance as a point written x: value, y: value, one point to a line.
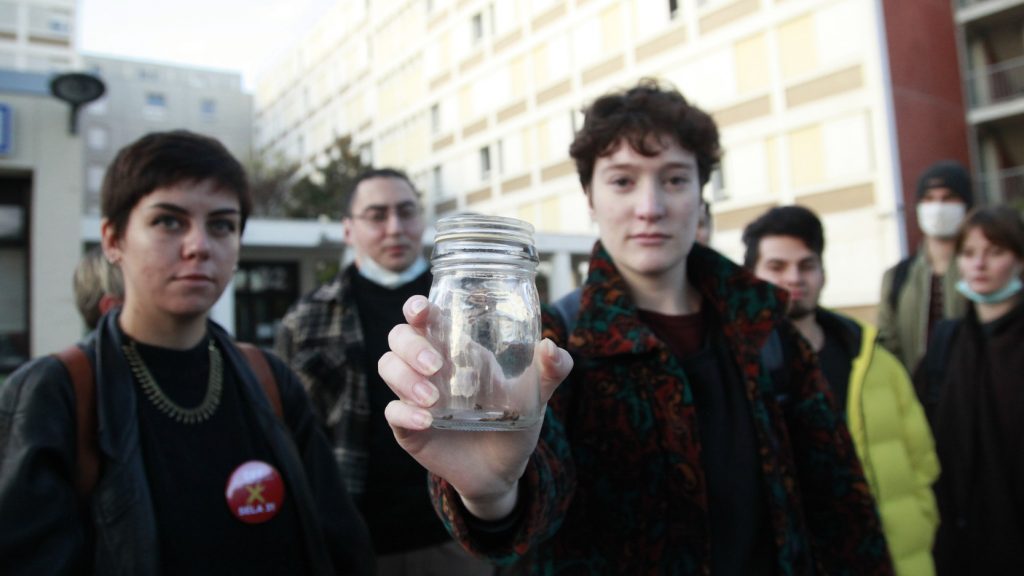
x: 202, y: 468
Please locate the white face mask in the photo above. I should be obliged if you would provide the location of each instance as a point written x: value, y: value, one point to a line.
x: 940, y: 219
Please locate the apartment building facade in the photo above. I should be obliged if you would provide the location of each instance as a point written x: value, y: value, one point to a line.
x: 37, y: 35
x: 146, y: 96
x: 478, y: 100
x: 992, y: 48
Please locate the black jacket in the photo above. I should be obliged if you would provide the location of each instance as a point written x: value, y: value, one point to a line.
x: 44, y: 529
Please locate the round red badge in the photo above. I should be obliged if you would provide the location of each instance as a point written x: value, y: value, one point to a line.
x: 255, y: 492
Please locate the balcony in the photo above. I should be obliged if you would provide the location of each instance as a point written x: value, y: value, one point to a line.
x: 996, y: 91
x: 1004, y: 186
x: 986, y: 11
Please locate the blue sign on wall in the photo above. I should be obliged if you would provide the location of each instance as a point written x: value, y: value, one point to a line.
x: 6, y: 121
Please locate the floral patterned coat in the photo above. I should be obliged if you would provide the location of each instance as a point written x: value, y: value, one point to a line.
x: 616, y: 486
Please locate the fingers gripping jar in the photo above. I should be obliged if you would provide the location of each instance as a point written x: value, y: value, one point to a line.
x: 485, y: 322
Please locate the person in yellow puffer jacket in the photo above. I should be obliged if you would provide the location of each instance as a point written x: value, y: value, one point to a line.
x: 869, y: 385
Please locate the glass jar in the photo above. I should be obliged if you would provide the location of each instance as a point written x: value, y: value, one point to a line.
x: 485, y: 322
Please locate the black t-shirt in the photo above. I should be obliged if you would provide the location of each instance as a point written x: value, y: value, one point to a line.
x: 841, y: 347
x: 397, y: 505
x: 188, y: 467
x: 741, y: 535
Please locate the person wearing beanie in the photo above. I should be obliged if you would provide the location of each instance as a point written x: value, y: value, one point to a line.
x: 920, y: 290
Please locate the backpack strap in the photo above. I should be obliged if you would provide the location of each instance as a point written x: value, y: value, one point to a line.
x: 77, y: 363
x: 258, y: 362
x: 568, y: 308
x: 899, y: 278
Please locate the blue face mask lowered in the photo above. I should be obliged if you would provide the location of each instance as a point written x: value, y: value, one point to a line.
x: 1012, y: 288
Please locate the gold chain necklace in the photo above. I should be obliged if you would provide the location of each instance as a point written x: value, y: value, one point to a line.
x: 163, y: 403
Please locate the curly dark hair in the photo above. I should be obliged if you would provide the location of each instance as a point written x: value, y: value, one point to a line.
x: 647, y: 109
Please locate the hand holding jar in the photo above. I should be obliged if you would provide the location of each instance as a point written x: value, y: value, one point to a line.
x: 470, y: 359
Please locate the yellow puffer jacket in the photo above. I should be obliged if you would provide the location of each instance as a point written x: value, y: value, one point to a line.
x: 896, y: 448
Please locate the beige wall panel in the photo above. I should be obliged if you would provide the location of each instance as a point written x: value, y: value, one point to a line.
x: 611, y: 29
x: 797, y: 47
x: 511, y: 111
x: 508, y: 41
x: 806, y: 162
x: 515, y: 184
x: 556, y: 91
x: 743, y: 112
x: 440, y: 80
x: 471, y: 62
x: 446, y: 206
x: 478, y: 196
x: 550, y: 214
x: 539, y: 58
x: 474, y: 128
x: 841, y: 200
x: 671, y: 39
x: 559, y: 170
x: 549, y: 17
x: 830, y: 85
x: 442, y: 143
x: 604, y: 69
x: 737, y: 219
x: 728, y: 14
x: 752, y: 71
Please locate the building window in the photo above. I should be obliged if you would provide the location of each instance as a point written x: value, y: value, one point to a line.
x: 435, y: 119
x: 673, y: 9
x: 717, y: 181
x: 263, y: 293
x: 477, y: 27
x: 14, y: 282
x: 97, y: 138
x: 485, y: 163
x: 49, y: 22
x: 94, y: 178
x: 147, y: 74
x: 208, y: 109
x: 155, y: 106
x: 437, y: 182
x: 98, y: 107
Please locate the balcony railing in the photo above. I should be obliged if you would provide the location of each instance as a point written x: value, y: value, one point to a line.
x: 1004, y: 186
x: 997, y: 83
x: 967, y: 3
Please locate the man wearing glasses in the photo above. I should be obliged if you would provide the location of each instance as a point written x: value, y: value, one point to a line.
x: 333, y: 337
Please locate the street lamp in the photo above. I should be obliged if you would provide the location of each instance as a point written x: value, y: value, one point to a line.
x: 76, y: 88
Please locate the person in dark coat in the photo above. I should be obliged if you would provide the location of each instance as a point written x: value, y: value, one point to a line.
x: 200, y: 472
x: 677, y: 444
x: 970, y: 385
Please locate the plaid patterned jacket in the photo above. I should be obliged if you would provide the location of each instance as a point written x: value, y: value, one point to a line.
x: 322, y: 340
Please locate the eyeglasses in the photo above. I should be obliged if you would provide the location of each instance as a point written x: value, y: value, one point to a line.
x: 379, y: 215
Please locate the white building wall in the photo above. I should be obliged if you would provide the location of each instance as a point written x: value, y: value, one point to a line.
x: 798, y: 88
x: 46, y: 152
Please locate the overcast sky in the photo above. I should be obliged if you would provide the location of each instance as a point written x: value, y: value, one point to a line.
x: 241, y: 35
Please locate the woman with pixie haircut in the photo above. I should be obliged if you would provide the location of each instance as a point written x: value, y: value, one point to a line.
x: 198, y: 466
x: 675, y: 444
x: 970, y: 385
